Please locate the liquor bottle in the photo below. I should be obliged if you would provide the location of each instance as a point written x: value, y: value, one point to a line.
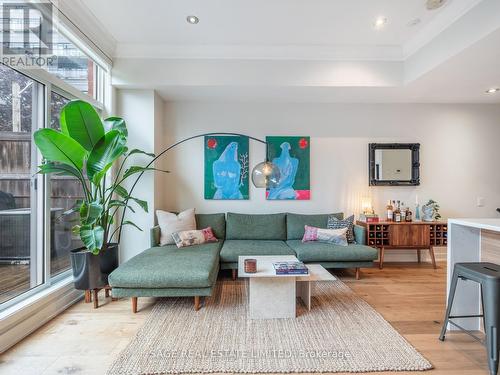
x: 397, y: 214
x: 403, y: 212
x: 408, y: 214
x: 390, y: 211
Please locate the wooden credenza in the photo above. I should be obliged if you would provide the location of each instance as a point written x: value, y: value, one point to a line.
x: 418, y: 235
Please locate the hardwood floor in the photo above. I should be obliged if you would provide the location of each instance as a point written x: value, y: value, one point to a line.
x: 410, y: 296
x: 15, y: 278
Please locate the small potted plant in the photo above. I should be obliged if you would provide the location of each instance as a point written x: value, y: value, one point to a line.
x: 430, y: 211
x: 87, y: 148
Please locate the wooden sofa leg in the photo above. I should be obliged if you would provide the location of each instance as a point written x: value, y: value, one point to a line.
x: 134, y: 304
x: 358, y: 276
x: 196, y: 303
x: 88, y: 296
x: 234, y: 272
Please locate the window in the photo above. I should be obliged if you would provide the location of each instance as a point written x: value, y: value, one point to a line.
x: 20, y: 255
x: 73, y: 66
x: 35, y: 236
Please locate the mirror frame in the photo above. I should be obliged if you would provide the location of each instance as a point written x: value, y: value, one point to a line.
x: 415, y: 163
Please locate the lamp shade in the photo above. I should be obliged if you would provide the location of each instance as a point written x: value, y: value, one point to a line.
x: 266, y: 175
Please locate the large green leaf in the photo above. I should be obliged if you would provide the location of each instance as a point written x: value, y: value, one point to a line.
x: 90, y: 212
x: 109, y: 148
x: 141, y: 203
x: 137, y: 151
x: 116, y: 123
x: 117, y: 203
x: 81, y: 122
x: 136, y: 169
x: 58, y: 147
x: 59, y: 169
x: 121, y: 191
x: 127, y: 222
x: 92, y: 238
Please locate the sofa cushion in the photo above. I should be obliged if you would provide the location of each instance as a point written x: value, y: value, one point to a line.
x: 295, y: 223
x: 170, y: 267
x: 325, y: 252
x: 256, y: 227
x: 215, y: 221
x: 348, y: 222
x: 170, y: 223
x: 232, y: 249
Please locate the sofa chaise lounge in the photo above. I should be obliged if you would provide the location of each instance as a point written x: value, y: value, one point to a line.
x: 166, y: 271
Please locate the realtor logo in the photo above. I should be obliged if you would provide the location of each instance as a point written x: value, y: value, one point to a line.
x: 27, y: 34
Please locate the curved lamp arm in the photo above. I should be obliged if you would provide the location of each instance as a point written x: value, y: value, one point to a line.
x: 168, y: 149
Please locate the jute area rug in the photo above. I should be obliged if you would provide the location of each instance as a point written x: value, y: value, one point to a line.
x: 341, y: 333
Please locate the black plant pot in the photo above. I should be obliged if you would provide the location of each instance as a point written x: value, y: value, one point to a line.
x: 91, y: 271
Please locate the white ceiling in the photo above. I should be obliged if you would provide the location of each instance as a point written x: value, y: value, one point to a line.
x: 262, y: 22
x: 321, y: 50
x: 148, y: 26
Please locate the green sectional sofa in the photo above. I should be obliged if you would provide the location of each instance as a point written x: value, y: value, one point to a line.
x: 166, y: 271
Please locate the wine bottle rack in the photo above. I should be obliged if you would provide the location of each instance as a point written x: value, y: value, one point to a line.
x: 378, y: 235
x: 438, y: 234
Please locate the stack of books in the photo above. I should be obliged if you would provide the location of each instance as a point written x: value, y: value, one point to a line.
x: 290, y: 268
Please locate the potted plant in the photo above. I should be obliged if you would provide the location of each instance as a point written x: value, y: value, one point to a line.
x: 430, y: 211
x: 87, y: 148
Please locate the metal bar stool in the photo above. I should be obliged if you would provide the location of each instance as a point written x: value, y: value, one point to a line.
x: 488, y: 277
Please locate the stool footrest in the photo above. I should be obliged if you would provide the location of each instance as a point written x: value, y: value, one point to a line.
x: 478, y: 339
x: 465, y: 316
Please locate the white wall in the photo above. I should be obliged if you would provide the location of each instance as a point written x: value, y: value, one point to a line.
x: 459, y: 153
x: 160, y: 143
x: 143, y: 112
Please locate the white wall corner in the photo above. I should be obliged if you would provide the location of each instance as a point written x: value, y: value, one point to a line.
x: 431, y: 49
x: 137, y: 108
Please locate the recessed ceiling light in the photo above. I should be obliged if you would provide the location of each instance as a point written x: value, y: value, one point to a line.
x: 380, y: 22
x: 434, y: 4
x: 193, y: 20
x: 492, y: 90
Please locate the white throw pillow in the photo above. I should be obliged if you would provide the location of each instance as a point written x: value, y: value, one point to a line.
x: 171, y: 223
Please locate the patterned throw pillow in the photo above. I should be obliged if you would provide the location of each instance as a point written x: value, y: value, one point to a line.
x: 170, y: 223
x: 334, y: 223
x: 194, y: 237
x: 333, y: 236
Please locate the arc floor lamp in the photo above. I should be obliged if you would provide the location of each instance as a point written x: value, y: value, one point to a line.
x: 264, y: 175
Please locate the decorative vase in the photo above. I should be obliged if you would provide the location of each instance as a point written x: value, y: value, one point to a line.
x: 91, y: 271
x: 427, y: 213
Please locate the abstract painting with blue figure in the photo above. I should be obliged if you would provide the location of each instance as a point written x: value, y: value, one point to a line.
x: 227, y: 172
x: 288, y: 167
x: 226, y: 167
x: 291, y: 154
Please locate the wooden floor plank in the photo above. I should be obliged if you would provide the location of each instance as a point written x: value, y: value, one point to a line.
x: 410, y: 296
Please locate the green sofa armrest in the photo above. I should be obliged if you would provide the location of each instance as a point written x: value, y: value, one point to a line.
x: 154, y: 236
x: 360, y: 234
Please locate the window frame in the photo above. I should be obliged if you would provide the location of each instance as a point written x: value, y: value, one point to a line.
x: 47, y: 83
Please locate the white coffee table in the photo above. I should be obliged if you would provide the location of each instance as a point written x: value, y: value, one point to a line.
x: 273, y: 296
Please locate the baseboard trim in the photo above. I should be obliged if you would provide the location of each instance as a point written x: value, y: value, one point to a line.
x: 16, y: 324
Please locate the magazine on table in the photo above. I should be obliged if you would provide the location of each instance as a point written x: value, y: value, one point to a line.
x: 290, y: 268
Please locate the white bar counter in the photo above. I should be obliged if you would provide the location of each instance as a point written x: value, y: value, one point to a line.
x: 470, y: 240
